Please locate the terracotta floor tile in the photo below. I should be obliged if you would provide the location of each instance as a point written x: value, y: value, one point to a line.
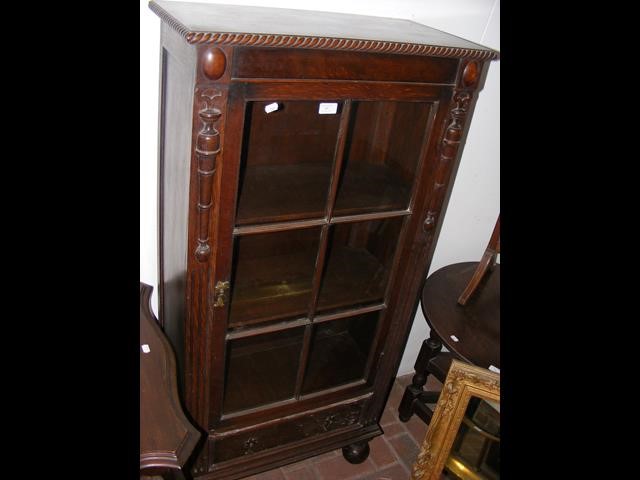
x: 297, y: 465
x: 381, y: 454
x: 393, y: 429
x: 394, y: 397
x: 395, y: 472
x: 303, y: 472
x: 404, y: 380
x: 405, y: 448
x: 270, y: 475
x: 417, y: 428
x: 324, y: 456
x: 338, y: 468
x: 388, y: 417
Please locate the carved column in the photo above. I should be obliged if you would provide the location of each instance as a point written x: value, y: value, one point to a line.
x: 209, y: 115
x: 207, y: 149
x: 450, y: 143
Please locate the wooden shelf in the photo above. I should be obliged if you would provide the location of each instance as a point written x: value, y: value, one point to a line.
x: 334, y: 361
x: 278, y: 193
x: 272, y: 288
x: 275, y: 193
x: 367, y: 188
x: 279, y: 287
x: 353, y: 277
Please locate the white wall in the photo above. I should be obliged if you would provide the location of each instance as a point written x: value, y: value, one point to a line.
x: 475, y: 200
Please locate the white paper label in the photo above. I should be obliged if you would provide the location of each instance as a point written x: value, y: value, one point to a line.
x: 272, y: 107
x: 145, y: 348
x: 327, y: 108
x: 494, y: 369
x: 454, y: 338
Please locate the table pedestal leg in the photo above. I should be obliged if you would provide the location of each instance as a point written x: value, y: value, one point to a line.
x: 430, y: 348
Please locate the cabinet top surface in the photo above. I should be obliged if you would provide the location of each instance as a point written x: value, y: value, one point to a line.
x: 259, y: 26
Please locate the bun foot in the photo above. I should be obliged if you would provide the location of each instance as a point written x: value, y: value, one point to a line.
x: 356, y: 452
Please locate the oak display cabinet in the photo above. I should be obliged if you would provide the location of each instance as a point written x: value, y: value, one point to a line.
x: 305, y: 163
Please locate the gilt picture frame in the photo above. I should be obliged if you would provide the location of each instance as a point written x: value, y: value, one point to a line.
x: 463, y: 382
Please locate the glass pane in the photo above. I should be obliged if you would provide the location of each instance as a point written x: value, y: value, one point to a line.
x: 339, y: 351
x: 272, y: 277
x: 287, y: 161
x: 359, y: 257
x: 262, y: 369
x: 382, y: 152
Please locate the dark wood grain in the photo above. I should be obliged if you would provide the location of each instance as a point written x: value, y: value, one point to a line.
x: 256, y: 26
x: 167, y: 438
x: 477, y: 324
x: 282, y: 63
x: 343, y: 210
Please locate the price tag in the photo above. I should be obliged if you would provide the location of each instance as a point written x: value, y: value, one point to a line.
x: 272, y: 107
x: 145, y: 348
x: 327, y: 108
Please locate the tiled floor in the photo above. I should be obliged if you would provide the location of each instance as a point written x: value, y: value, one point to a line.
x: 392, y: 454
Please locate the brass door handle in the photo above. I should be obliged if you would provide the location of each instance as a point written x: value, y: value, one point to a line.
x: 220, y: 295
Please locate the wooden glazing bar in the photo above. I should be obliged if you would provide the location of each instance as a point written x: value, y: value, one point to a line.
x: 343, y: 131
x: 251, y: 332
x: 319, y: 270
x: 348, y: 313
x: 369, y: 216
x: 278, y: 227
x: 326, y: 391
x: 304, y: 356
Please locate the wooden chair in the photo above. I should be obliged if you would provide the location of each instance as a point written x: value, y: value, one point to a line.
x: 487, y: 262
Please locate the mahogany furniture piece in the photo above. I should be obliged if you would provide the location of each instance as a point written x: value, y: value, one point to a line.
x: 167, y: 438
x: 471, y: 332
x: 305, y: 163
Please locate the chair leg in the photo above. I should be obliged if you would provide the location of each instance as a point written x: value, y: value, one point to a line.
x: 430, y: 348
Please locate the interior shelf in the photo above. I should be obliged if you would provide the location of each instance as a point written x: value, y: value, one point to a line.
x: 279, y: 193
x: 353, y: 277
x: 272, y: 288
x: 279, y: 287
x: 367, y: 188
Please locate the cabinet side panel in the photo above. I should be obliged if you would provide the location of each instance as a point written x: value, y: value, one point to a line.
x: 175, y: 154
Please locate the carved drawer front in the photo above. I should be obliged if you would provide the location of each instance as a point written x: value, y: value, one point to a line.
x: 296, y: 429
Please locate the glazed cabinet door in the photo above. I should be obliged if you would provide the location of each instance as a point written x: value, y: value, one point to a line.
x: 322, y: 187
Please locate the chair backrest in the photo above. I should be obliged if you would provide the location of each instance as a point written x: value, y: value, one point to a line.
x: 488, y: 261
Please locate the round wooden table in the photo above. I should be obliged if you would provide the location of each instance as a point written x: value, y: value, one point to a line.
x: 471, y: 332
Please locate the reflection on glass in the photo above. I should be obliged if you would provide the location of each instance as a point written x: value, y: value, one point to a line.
x: 359, y: 258
x: 475, y: 453
x: 339, y: 351
x: 262, y: 369
x: 287, y: 161
x: 273, y: 274
x: 381, y: 156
